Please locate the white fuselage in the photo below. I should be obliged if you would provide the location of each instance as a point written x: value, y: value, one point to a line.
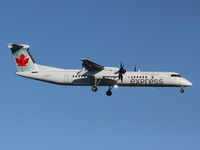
x: 81, y: 78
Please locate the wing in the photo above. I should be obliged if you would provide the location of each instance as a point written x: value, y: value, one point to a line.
x: 91, y: 66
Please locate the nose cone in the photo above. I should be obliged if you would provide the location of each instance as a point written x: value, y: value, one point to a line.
x: 189, y: 83
x: 186, y: 83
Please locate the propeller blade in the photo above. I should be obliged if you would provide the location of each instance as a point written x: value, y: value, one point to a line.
x: 121, y: 65
x: 120, y: 76
x: 121, y: 71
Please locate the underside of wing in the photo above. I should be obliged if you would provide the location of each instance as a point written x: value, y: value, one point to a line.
x: 91, y: 66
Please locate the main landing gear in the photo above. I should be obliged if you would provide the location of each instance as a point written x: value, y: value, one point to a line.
x: 109, y: 92
x: 96, y: 82
x: 94, y: 89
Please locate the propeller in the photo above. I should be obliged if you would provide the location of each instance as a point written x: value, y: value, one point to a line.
x: 121, y: 71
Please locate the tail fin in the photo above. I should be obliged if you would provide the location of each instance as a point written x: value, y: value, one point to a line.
x: 23, y: 59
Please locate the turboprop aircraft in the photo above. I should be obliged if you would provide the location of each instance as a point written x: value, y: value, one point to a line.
x: 92, y: 74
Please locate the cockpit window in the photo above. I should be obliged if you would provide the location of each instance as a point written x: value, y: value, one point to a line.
x: 175, y: 75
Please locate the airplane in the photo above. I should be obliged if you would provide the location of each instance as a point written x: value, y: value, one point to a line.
x: 92, y: 74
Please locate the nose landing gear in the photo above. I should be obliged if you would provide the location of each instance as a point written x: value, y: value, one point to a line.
x: 182, y: 90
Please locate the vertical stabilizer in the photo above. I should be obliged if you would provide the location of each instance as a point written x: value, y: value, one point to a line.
x: 23, y: 59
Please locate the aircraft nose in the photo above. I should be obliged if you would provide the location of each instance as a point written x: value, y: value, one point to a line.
x: 187, y: 83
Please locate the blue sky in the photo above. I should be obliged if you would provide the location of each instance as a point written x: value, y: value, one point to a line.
x: 157, y: 35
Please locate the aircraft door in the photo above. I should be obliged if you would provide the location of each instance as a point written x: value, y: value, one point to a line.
x: 66, y: 78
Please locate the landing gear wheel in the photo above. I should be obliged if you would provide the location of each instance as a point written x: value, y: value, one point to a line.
x: 94, y: 89
x: 182, y: 90
x: 108, y: 93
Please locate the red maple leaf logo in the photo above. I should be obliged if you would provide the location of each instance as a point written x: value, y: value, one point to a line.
x: 21, y: 61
